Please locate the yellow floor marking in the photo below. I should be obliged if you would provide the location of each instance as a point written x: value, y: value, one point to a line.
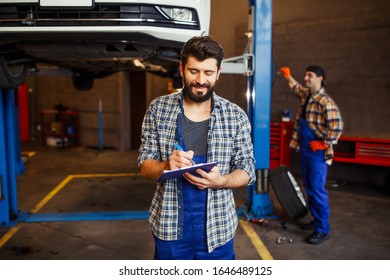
x: 105, y: 175
x: 51, y: 194
x: 256, y: 241
x: 28, y: 154
x: 9, y: 234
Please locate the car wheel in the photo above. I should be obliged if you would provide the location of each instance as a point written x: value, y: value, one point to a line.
x: 288, y: 192
x: 82, y: 80
x: 12, y: 75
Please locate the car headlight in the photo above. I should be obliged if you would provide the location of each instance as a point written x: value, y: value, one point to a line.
x: 181, y: 14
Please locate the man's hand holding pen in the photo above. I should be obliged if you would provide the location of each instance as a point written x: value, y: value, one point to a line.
x: 180, y: 158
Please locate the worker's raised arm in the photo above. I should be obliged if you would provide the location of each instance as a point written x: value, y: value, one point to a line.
x: 286, y: 72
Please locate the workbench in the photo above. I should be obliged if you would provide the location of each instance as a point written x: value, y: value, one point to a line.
x: 361, y: 150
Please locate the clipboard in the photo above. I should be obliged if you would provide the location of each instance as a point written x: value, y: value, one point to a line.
x: 172, y: 174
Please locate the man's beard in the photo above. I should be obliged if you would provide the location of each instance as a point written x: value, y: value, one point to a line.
x: 195, y: 97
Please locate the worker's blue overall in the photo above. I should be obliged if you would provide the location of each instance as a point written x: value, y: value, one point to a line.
x: 314, y: 171
x: 193, y: 245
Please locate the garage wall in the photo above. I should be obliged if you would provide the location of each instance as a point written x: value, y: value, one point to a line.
x: 48, y: 91
x: 350, y: 39
x: 352, y: 43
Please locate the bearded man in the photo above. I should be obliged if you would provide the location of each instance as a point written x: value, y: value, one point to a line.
x: 194, y: 216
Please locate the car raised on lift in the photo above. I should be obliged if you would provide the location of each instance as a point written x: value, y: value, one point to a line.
x: 96, y: 38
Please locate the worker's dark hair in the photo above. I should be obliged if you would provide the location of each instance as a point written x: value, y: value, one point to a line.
x: 202, y: 47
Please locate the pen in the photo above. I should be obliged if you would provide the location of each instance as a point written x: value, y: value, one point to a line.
x: 178, y: 147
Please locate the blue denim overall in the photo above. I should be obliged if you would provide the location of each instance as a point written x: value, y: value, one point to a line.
x: 314, y: 171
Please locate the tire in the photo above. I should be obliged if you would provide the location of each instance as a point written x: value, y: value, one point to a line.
x: 288, y: 192
x: 12, y: 75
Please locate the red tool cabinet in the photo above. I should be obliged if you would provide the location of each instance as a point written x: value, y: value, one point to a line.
x: 280, y: 140
x: 363, y: 150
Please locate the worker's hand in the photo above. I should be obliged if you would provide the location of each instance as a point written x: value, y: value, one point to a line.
x: 317, y: 145
x: 212, y: 179
x: 286, y: 72
x: 180, y: 159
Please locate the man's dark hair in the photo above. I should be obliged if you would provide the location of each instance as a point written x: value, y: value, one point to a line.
x: 202, y: 47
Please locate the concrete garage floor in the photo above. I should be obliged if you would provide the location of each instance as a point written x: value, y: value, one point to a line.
x: 360, y: 215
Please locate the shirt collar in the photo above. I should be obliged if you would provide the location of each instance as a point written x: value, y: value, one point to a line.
x: 321, y: 91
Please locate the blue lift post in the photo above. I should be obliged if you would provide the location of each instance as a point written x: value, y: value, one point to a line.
x: 100, y: 147
x: 256, y: 64
x: 259, y: 205
x: 10, y: 157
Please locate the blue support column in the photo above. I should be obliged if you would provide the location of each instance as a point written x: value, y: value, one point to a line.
x: 19, y: 165
x: 262, y: 82
x: 260, y: 107
x: 8, y: 162
x: 14, y: 155
x: 4, y: 206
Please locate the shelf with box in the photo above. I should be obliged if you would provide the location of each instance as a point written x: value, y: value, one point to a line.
x: 60, y: 128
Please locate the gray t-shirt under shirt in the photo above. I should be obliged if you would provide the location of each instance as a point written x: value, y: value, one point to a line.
x: 195, y: 135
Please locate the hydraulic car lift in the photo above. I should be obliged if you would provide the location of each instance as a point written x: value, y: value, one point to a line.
x: 260, y: 85
x: 256, y: 64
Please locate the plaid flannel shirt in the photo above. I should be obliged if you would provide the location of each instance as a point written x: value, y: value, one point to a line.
x: 322, y: 116
x: 228, y: 142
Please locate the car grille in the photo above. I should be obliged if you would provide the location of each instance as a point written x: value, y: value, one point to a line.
x: 99, y: 15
